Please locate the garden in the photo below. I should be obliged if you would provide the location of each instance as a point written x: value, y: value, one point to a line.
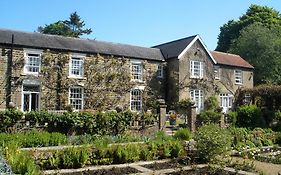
x: 70, y: 143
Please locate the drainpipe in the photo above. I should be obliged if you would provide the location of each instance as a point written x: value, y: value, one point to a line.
x: 9, y: 74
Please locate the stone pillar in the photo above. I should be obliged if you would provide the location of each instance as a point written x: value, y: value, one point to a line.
x: 222, y: 121
x: 192, y: 118
x: 162, y: 114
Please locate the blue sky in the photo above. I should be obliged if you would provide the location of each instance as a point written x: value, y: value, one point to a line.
x: 144, y: 22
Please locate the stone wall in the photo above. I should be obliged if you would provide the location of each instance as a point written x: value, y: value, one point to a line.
x: 227, y: 78
x: 153, y: 85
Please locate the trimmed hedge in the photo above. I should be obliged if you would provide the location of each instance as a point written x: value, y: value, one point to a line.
x: 100, y: 123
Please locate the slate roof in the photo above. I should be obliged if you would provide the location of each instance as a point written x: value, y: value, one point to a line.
x: 43, y: 41
x: 230, y: 59
x: 174, y: 48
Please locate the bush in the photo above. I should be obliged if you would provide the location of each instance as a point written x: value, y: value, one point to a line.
x: 231, y: 118
x: 183, y: 134
x: 278, y: 138
x: 9, y: 118
x: 209, y: 116
x: 212, y: 142
x: 211, y: 103
x: 250, y: 116
x: 243, y: 137
x: 20, y: 161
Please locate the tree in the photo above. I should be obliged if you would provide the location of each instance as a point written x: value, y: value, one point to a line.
x: 230, y: 31
x: 261, y: 47
x: 73, y: 27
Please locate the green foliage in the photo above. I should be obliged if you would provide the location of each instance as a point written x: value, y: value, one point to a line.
x: 211, y: 103
x: 33, y: 139
x: 100, y: 123
x: 183, y: 104
x: 232, y: 118
x: 230, y: 31
x: 183, y: 134
x: 20, y: 161
x: 212, y: 142
x: 245, y: 138
x: 250, y: 116
x: 9, y: 118
x: 260, y: 46
x: 102, y: 154
x: 126, y: 153
x: 210, y: 116
x: 278, y: 138
x: 72, y: 27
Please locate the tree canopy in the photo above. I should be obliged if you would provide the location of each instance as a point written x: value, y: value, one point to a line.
x: 73, y: 27
x: 261, y: 47
x: 230, y: 31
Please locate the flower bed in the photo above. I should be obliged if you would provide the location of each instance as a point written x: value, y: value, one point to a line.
x: 266, y: 154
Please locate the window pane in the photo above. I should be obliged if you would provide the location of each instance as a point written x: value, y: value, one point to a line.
x: 196, y: 69
x: 33, y: 63
x: 136, y: 71
x: 77, y: 66
x: 76, y: 97
x: 136, y: 100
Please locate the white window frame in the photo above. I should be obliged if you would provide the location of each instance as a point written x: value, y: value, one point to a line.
x: 238, y: 76
x: 137, y: 71
x: 27, y: 65
x: 197, y: 96
x: 79, y: 58
x: 226, y: 101
x: 24, y: 92
x: 74, y: 104
x: 216, y: 72
x: 196, y: 69
x: 160, y: 70
x: 133, y: 101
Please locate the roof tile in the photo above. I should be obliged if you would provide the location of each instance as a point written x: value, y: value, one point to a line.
x: 230, y: 59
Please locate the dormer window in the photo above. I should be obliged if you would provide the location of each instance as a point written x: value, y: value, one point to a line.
x: 32, y: 61
x: 196, y: 69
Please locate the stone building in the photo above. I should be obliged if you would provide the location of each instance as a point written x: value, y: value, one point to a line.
x: 47, y: 72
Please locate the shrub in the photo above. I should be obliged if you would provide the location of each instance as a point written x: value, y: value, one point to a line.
x: 231, y: 118
x: 278, y: 138
x: 9, y: 118
x: 243, y: 137
x: 209, y: 116
x: 211, y: 103
x: 250, y: 116
x: 20, y: 161
x: 183, y: 134
x: 212, y: 142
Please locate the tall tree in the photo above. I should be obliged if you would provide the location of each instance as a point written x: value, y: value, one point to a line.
x: 73, y: 27
x: 230, y: 31
x: 261, y: 47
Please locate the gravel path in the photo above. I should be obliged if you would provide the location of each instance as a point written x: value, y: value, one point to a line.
x: 266, y: 168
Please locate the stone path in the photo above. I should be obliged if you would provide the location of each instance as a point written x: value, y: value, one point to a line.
x: 266, y: 168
